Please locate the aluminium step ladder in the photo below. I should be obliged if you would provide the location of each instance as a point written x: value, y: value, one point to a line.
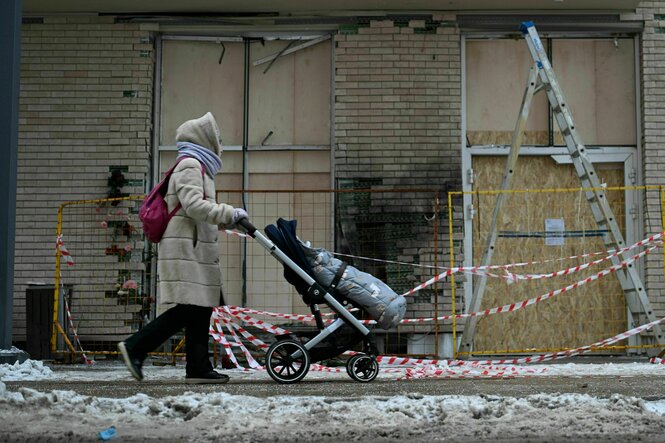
x: 542, y: 77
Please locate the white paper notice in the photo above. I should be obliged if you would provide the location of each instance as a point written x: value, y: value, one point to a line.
x: 554, y: 229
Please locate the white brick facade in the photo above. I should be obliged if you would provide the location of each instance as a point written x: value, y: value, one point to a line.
x: 397, y: 125
x: 653, y: 134
x: 86, y: 104
x: 76, y: 120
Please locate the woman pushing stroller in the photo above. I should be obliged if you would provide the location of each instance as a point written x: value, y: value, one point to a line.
x: 190, y: 278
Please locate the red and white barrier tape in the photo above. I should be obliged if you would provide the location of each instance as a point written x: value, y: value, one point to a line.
x: 439, y: 368
x: 230, y: 327
x: 263, y: 325
x: 501, y: 309
x: 248, y: 336
x: 219, y: 338
x: 431, y: 368
x: 610, y: 253
x: 85, y: 359
x: 523, y: 304
x: 60, y: 245
x: 656, y: 360
x: 473, y: 270
x: 238, y: 310
x: 248, y: 356
x: 512, y: 278
x: 479, y: 270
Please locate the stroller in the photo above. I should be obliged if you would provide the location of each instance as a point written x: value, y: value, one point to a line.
x: 288, y: 359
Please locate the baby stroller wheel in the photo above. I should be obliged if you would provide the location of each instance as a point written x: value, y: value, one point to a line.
x: 287, y: 361
x: 362, y: 368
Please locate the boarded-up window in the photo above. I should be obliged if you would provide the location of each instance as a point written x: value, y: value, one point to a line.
x: 194, y: 82
x: 597, y: 77
x: 289, y: 99
x: 598, y: 80
x: 292, y: 98
x: 288, y: 130
x: 496, y: 75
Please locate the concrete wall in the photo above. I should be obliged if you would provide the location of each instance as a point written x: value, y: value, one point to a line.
x: 85, y: 105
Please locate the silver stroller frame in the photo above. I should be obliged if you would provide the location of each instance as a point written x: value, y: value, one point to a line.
x: 287, y: 361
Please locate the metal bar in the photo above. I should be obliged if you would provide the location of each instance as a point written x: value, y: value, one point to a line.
x: 481, y: 282
x: 262, y: 148
x: 436, y: 266
x: 291, y: 50
x: 68, y: 342
x: 56, y: 292
x: 10, y: 50
x: 203, y: 38
x: 324, y: 333
x: 451, y: 245
x: 279, y: 54
x: 331, y: 146
x: 245, y: 164
x: 154, y: 172
x: 550, y: 190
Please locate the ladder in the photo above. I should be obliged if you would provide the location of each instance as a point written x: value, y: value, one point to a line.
x: 639, y: 308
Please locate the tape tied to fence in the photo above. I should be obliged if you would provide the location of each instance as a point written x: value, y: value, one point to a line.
x: 423, y: 368
x: 70, y: 319
x: 511, y: 307
x: 513, y: 277
x: 60, y: 245
x: 480, y: 270
x: 431, y: 368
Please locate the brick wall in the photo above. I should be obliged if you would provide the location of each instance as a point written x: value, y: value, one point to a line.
x: 653, y: 135
x: 397, y: 125
x: 85, y: 106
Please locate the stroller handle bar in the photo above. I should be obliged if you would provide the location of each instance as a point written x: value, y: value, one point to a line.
x: 247, y: 226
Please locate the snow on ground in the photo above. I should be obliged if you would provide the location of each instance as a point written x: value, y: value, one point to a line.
x: 36, y: 370
x: 27, y: 414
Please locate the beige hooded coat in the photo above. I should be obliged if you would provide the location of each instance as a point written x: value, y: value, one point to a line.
x: 188, y: 260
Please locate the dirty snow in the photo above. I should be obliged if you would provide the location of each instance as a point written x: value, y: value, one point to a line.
x: 67, y: 415
x: 32, y: 370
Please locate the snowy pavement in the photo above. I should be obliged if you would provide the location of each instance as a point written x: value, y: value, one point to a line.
x: 28, y: 414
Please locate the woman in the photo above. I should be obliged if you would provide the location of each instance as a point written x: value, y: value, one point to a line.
x: 190, y: 280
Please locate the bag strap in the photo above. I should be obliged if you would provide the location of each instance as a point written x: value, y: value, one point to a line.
x: 338, y: 276
x: 168, y: 175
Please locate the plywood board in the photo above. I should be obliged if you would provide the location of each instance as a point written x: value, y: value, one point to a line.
x: 581, y: 317
x: 496, y: 75
x: 598, y: 79
x: 292, y: 98
x: 195, y: 82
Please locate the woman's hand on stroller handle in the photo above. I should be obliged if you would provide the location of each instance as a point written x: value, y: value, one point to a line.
x: 238, y: 213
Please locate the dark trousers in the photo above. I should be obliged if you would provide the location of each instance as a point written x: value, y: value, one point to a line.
x: 195, y: 320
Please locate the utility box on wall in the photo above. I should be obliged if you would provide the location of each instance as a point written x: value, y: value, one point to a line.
x: 39, y: 319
